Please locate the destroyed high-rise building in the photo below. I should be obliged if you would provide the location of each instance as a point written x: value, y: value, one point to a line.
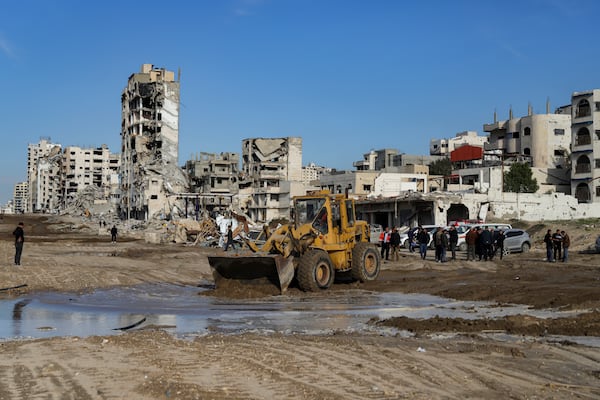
x: 150, y: 175
x: 272, y: 175
x: 88, y: 168
x: 43, y: 168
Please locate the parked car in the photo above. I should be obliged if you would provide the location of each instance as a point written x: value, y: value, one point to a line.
x: 464, y: 229
x: 516, y: 240
x: 376, y: 230
x: 598, y: 245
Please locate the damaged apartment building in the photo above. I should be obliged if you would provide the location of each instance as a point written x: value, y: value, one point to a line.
x: 57, y: 177
x: 214, y: 180
x: 150, y: 175
x: 95, y: 170
x: 43, y: 179
x: 271, y: 176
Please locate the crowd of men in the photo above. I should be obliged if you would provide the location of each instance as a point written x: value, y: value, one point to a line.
x: 557, y: 245
x: 482, y: 244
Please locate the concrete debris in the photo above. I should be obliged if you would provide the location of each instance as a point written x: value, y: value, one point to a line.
x: 209, y: 231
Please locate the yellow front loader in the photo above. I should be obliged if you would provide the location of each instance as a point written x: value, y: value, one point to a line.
x: 324, y: 238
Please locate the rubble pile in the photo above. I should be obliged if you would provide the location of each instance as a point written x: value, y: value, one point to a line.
x: 189, y: 230
x: 89, y: 203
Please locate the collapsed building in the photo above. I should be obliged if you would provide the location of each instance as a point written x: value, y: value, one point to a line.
x: 150, y: 175
x: 271, y: 177
x: 213, y: 181
x: 82, y: 168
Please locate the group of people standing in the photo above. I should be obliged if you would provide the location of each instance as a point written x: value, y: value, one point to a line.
x: 557, y: 245
x: 484, y: 244
x: 444, y: 239
x: 390, y: 240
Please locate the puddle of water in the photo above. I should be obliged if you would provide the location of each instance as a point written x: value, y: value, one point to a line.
x: 182, y: 311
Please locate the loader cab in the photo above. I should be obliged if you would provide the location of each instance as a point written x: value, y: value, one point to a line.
x: 311, y: 210
x: 350, y: 215
x: 321, y: 223
x: 328, y: 214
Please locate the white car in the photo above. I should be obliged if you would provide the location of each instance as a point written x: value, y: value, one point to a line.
x: 516, y: 240
x: 376, y: 230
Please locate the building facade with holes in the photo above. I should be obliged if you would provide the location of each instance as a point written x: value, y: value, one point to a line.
x: 585, y: 153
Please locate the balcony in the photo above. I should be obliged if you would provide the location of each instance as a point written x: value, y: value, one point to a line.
x: 583, y: 140
x: 584, y: 168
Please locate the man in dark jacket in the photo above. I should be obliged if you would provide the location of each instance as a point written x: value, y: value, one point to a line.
x: 411, y: 239
x: 485, y: 238
x: 395, y: 243
x: 229, y: 239
x: 499, y: 243
x: 423, y: 240
x: 453, y: 241
x: 557, y: 240
x: 549, y: 246
x: 113, y: 234
x: 19, y: 239
x: 439, y: 238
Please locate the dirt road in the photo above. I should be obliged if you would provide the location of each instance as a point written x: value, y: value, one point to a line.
x: 443, y: 359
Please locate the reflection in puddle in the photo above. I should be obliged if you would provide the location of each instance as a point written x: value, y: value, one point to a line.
x: 182, y: 311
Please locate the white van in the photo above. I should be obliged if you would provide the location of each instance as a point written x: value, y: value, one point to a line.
x: 464, y: 229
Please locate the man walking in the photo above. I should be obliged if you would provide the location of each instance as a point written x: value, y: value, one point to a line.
x: 19, y: 234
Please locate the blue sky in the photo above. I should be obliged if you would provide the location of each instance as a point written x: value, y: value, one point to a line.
x: 347, y: 76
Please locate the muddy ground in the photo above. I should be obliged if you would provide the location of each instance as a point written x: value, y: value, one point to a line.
x: 444, y: 358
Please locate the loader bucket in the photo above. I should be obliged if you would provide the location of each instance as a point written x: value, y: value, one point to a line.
x: 276, y: 269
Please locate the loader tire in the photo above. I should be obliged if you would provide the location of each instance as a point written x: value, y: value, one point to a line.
x: 366, y: 262
x: 315, y: 271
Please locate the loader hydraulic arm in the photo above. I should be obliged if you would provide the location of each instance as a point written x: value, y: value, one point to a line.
x: 286, y: 240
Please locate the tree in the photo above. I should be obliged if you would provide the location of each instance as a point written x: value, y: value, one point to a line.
x: 440, y: 167
x: 519, y: 179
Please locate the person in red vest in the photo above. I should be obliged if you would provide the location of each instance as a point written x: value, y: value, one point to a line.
x: 385, y: 243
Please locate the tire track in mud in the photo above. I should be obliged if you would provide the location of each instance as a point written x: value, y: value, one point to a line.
x: 56, y: 369
x: 295, y: 368
x: 35, y: 382
x: 151, y: 364
x: 401, y: 371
